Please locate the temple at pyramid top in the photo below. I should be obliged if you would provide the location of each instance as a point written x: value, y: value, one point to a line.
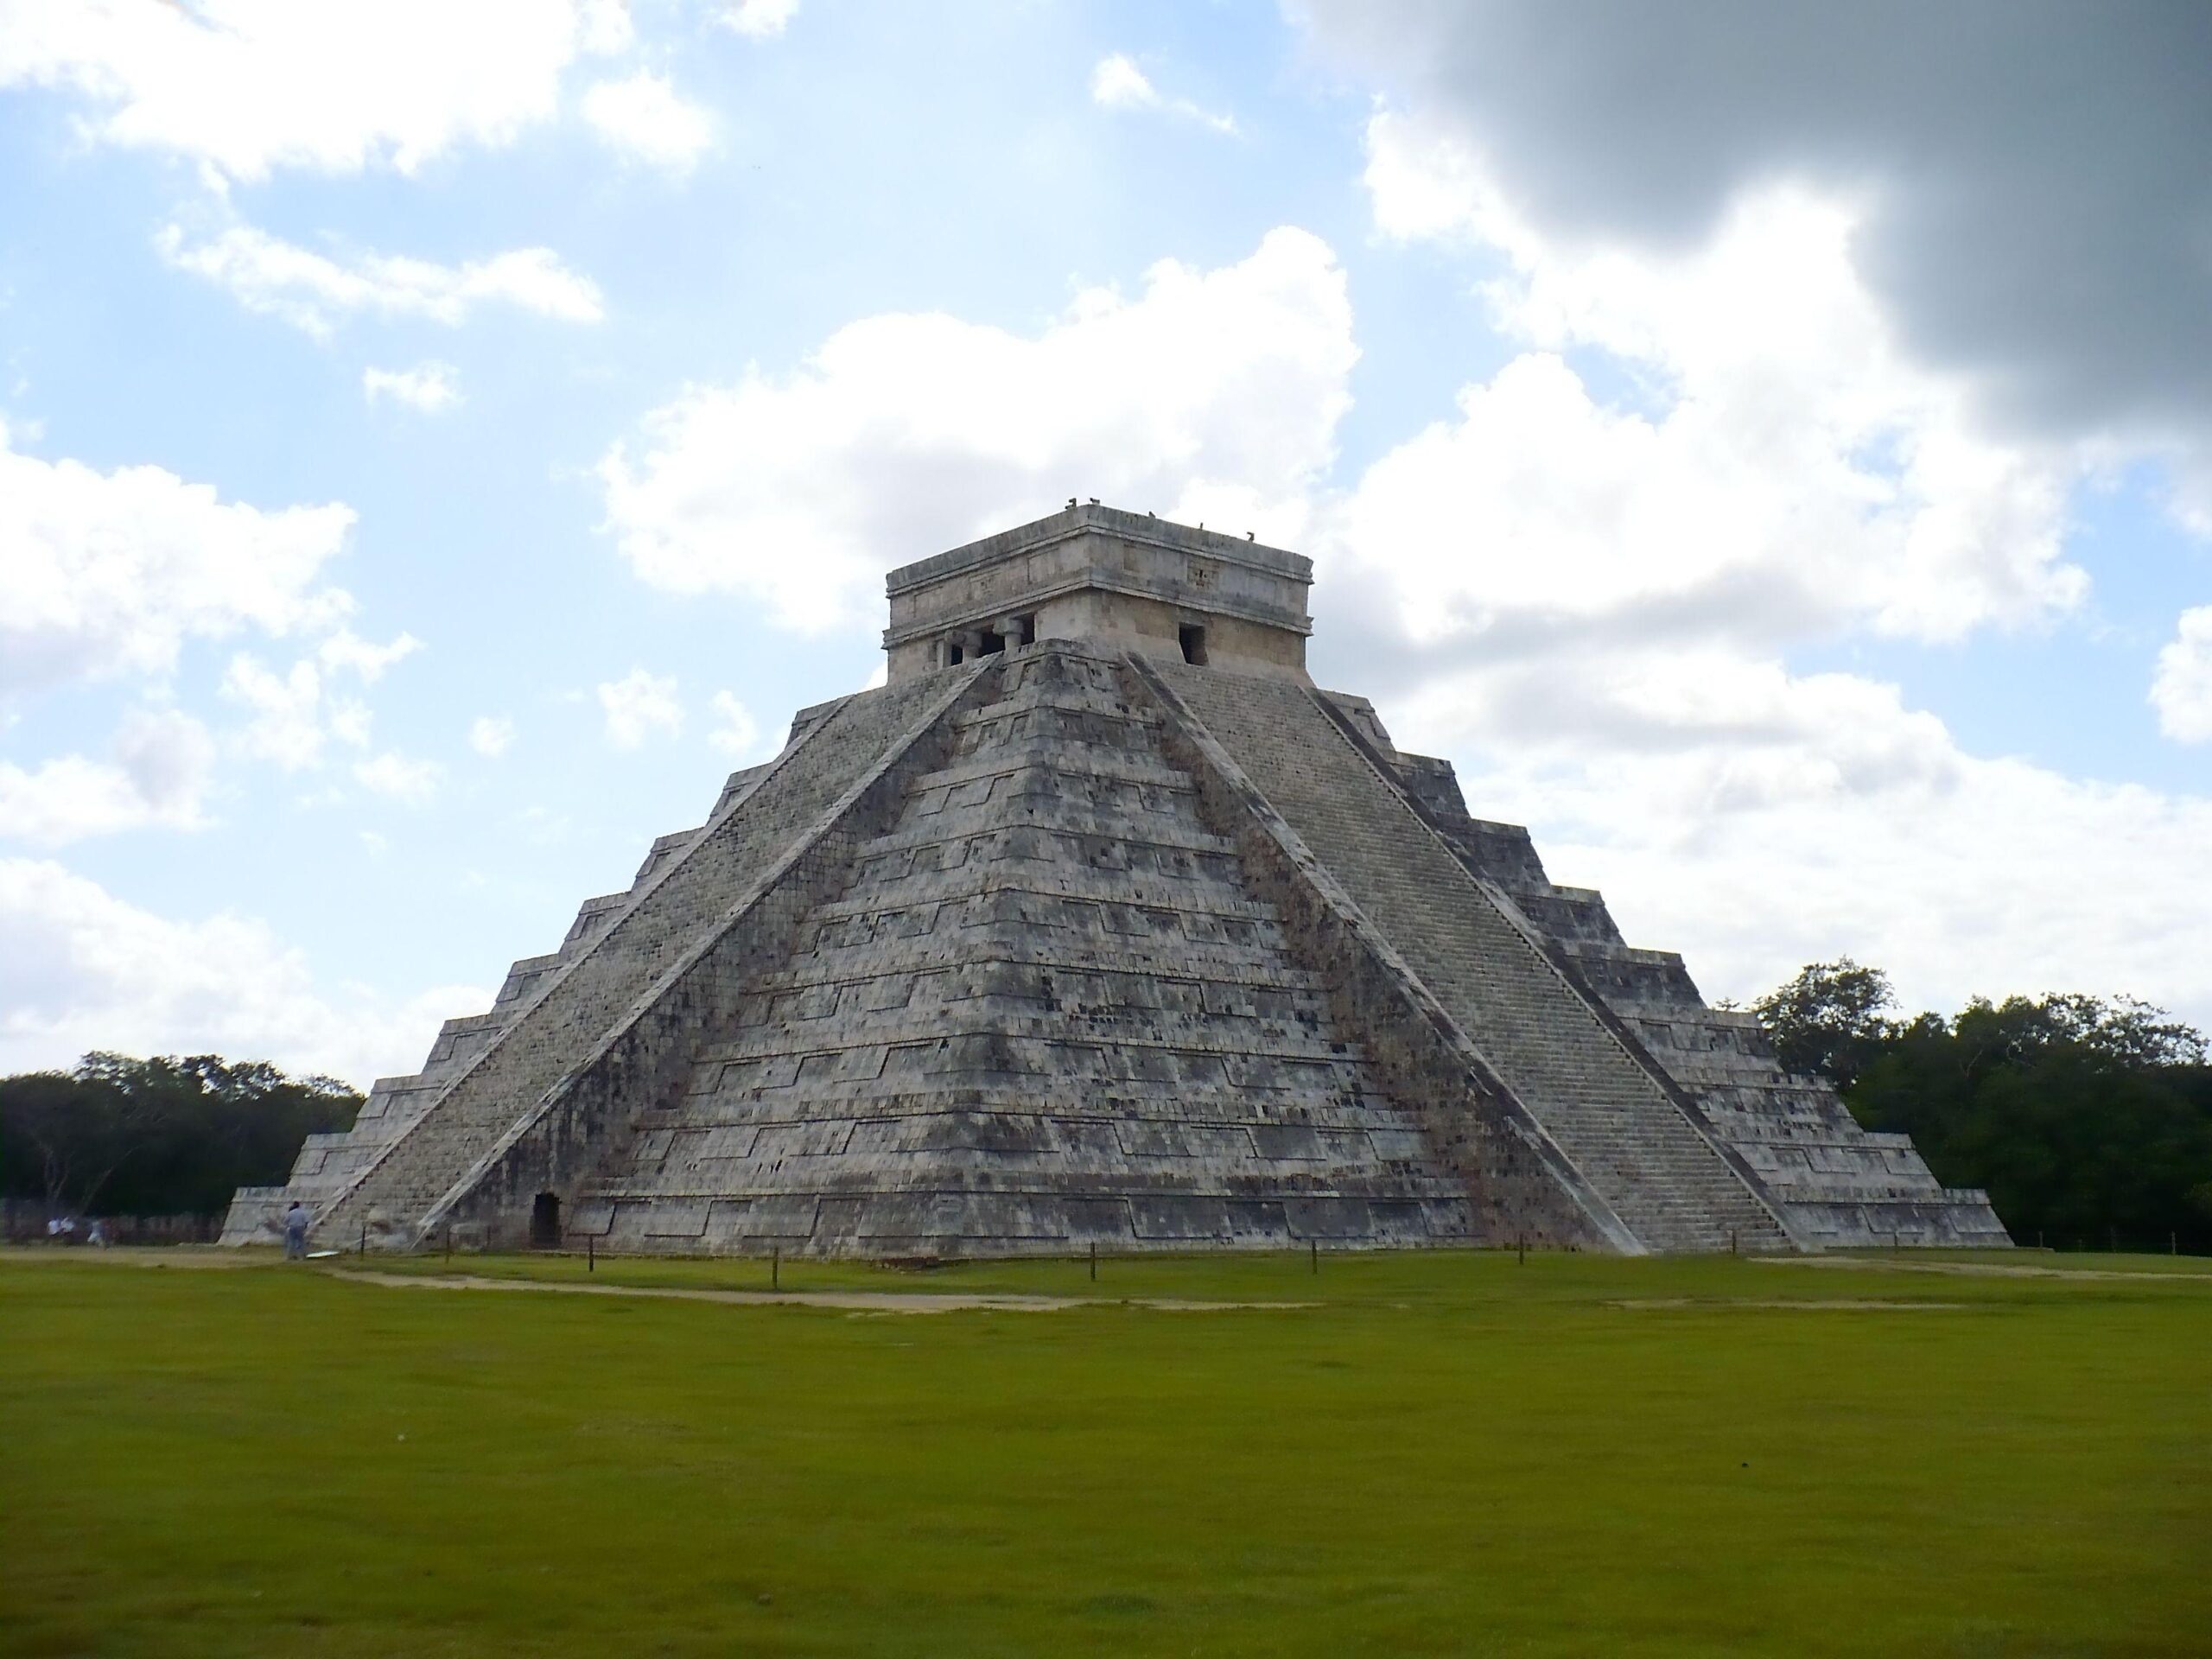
x: 1099, y: 925
x: 1090, y: 572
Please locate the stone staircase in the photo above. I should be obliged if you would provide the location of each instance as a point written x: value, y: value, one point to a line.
x: 569, y: 1005
x: 1045, y: 1012
x: 327, y: 1163
x: 1835, y: 1183
x: 1663, y: 1174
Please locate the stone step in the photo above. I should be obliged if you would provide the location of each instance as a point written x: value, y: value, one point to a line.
x: 650, y: 935
x: 1614, y: 1122
x: 989, y: 961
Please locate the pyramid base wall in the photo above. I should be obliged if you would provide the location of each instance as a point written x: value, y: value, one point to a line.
x: 963, y: 1226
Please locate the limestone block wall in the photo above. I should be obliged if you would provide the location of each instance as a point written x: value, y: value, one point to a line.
x: 1047, y: 1012
x: 586, y: 1120
x: 1122, y: 621
x: 1106, y: 576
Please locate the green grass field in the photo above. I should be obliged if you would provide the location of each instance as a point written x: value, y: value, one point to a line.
x: 1447, y: 1454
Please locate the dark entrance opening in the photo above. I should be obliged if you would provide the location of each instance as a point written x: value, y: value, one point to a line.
x: 545, y: 1222
x: 993, y: 643
x: 1193, y: 638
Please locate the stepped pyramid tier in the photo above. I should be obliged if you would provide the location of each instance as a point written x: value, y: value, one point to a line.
x: 1099, y: 925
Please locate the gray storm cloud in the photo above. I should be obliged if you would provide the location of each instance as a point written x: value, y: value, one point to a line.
x: 2039, y: 175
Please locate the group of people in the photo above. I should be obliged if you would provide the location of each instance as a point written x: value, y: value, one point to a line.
x: 62, y: 1229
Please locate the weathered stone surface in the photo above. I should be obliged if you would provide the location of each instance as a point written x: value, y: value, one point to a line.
x: 1114, y: 931
x: 1046, y: 1013
x: 1114, y: 579
x: 1832, y: 1182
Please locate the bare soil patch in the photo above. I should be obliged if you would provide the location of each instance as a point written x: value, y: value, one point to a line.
x: 857, y: 1301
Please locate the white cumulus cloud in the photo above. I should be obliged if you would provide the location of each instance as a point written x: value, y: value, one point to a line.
x: 246, y: 86
x: 1211, y: 395
x: 346, y: 650
x: 641, y: 116
x: 1584, y: 587
x: 108, y: 573
x: 608, y: 27
x: 286, y: 716
x: 1777, y: 466
x: 760, y: 19
x: 2182, y: 689
x: 1116, y: 83
x: 87, y: 970
x: 159, y: 774
x: 1757, y: 821
x: 638, y: 706
x: 292, y: 713
x: 737, y: 732
x: 313, y: 292
x: 412, y: 782
x: 491, y: 735
x: 430, y: 388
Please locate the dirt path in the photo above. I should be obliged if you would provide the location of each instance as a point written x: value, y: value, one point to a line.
x: 195, y: 1257
x: 1970, y: 1269
x: 1846, y: 1305
x: 857, y: 1301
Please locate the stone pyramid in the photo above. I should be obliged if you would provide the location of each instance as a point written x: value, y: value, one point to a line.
x: 1099, y: 925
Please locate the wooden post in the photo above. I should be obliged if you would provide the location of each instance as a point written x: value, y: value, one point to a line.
x: 1731, y: 1240
x: 591, y: 1253
x: 448, y: 1240
x: 1519, y: 1249
x: 364, y: 1250
x: 776, y: 1269
x: 1313, y: 1247
x: 1094, y: 1261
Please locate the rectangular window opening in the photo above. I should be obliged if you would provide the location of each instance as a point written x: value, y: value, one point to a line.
x: 1194, y: 640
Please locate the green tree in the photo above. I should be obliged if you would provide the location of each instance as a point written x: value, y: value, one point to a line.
x: 2084, y: 1118
x: 125, y: 1136
x: 1829, y: 1020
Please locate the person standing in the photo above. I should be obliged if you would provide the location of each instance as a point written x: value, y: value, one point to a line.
x: 296, y: 1232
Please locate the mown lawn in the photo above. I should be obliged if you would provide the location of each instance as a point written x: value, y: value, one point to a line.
x: 1446, y: 1453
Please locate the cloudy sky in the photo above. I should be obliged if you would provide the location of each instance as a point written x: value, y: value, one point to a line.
x: 1768, y: 448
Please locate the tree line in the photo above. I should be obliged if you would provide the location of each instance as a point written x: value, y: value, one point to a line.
x: 173, y: 1135
x: 2088, y: 1121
